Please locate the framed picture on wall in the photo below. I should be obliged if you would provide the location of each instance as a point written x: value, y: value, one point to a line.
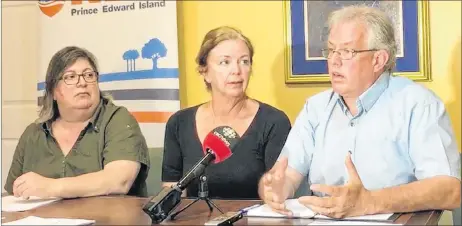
x: 305, y: 28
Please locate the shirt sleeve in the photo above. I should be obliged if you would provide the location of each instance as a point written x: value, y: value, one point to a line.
x: 432, y: 144
x: 276, y: 139
x: 124, y: 140
x: 300, y: 142
x: 172, y: 164
x: 16, y: 169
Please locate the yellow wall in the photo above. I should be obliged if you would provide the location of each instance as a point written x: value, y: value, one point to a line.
x: 262, y: 22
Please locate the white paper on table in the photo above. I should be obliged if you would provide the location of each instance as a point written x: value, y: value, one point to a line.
x: 293, y: 205
x: 15, y: 204
x: 376, y: 217
x: 33, y: 220
x: 321, y: 222
x: 301, y: 211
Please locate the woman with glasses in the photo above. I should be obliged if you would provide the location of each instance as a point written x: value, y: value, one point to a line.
x: 82, y: 144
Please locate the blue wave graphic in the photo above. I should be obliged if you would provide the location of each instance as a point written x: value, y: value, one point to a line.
x: 132, y: 75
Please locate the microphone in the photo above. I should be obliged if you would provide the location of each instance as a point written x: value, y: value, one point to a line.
x: 217, y: 147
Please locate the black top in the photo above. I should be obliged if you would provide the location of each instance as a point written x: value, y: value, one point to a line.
x: 236, y: 177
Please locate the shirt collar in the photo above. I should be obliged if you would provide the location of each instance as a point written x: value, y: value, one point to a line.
x: 94, y: 118
x: 93, y: 123
x: 370, y: 96
x: 342, y: 104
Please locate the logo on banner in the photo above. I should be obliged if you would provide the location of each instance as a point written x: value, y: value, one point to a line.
x: 50, y: 7
x: 152, y: 50
x: 78, y: 8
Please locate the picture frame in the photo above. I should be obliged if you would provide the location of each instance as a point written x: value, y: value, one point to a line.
x: 306, y: 34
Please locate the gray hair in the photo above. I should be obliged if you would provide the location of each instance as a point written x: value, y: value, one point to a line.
x: 381, y: 34
x: 60, y: 61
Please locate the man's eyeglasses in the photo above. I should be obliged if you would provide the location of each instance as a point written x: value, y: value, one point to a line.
x: 345, y: 54
x: 73, y: 78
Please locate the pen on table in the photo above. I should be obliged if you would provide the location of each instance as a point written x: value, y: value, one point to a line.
x: 243, y: 211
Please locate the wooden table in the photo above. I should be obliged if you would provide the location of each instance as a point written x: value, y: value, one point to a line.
x: 127, y: 210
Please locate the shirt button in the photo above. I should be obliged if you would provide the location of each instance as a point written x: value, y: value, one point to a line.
x: 352, y: 124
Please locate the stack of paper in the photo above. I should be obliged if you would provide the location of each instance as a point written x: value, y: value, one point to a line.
x: 373, y: 217
x: 14, y: 204
x: 298, y: 210
x: 350, y: 223
x: 301, y: 211
x: 32, y: 220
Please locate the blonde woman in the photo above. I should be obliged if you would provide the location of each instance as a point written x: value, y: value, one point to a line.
x: 225, y: 63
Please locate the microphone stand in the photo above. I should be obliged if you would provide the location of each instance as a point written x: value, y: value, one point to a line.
x: 203, y: 194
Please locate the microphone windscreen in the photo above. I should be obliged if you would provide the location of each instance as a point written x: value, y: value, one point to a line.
x: 221, y: 141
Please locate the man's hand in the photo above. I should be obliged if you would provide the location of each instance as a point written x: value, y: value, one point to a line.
x: 342, y: 201
x: 274, y: 193
x: 32, y: 184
